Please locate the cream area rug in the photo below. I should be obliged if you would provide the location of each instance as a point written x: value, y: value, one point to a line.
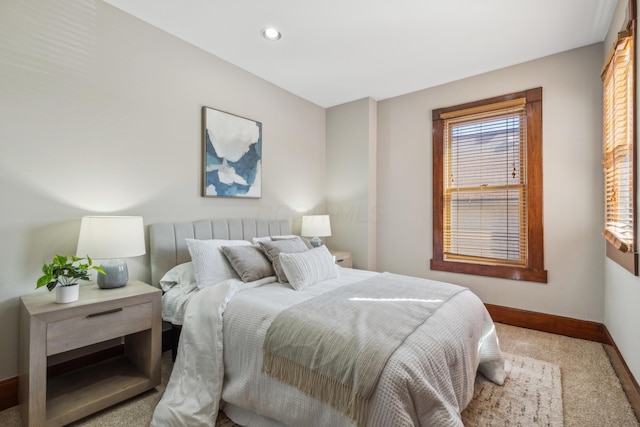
x: 531, y: 396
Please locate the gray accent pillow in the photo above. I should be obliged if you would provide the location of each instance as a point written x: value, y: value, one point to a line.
x: 306, y: 268
x: 249, y: 262
x: 284, y: 237
x: 274, y: 248
x: 293, y: 236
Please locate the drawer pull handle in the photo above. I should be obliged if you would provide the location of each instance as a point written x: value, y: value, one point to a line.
x: 115, y: 310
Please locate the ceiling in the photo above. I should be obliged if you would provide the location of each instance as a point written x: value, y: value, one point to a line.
x: 336, y: 51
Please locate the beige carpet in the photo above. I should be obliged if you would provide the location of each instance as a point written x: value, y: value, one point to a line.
x: 591, y: 393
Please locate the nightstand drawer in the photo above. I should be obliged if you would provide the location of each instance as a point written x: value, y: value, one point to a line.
x: 81, y: 331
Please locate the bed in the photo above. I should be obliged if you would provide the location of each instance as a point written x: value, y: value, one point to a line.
x: 168, y: 249
x: 234, y: 332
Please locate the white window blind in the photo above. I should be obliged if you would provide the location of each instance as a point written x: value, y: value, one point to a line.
x: 485, y: 198
x: 618, y: 145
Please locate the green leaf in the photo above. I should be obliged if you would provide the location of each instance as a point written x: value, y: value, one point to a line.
x: 44, y: 280
x: 60, y: 260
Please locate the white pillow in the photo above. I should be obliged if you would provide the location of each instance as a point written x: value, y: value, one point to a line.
x: 256, y: 240
x: 306, y: 268
x: 210, y: 264
x: 182, y: 275
x: 284, y: 237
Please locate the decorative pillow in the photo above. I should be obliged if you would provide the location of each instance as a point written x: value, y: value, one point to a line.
x: 293, y: 236
x: 209, y: 263
x: 249, y: 262
x: 257, y: 240
x: 269, y: 238
x: 182, y: 275
x: 285, y: 237
x: 274, y: 248
x: 306, y: 268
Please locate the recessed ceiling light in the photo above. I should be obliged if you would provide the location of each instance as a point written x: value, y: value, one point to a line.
x: 271, y: 34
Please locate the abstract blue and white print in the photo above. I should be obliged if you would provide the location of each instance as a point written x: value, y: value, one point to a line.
x: 233, y: 155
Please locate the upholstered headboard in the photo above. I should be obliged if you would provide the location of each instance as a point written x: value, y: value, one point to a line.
x: 167, y: 246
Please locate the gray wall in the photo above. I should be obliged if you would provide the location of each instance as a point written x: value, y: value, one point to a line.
x: 101, y: 114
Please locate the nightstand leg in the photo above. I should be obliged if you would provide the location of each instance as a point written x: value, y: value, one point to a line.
x: 32, y: 385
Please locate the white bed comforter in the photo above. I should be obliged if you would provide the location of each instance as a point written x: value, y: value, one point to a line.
x: 428, y: 381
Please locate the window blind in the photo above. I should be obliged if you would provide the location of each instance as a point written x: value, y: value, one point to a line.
x: 485, y: 200
x: 618, y: 145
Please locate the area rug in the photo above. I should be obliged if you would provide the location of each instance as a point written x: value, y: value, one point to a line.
x: 531, y: 396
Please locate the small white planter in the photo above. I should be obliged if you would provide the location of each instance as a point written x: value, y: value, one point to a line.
x: 65, y: 294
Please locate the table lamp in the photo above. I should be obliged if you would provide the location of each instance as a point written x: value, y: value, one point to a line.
x: 316, y: 226
x: 110, y: 238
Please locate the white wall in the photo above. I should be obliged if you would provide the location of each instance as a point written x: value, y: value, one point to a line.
x: 573, y: 189
x: 351, y: 179
x: 101, y: 113
x: 622, y: 289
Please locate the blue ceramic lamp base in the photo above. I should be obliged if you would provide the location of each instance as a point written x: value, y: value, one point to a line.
x: 316, y: 242
x: 116, y: 274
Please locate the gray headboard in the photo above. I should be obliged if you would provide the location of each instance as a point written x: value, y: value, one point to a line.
x: 167, y: 246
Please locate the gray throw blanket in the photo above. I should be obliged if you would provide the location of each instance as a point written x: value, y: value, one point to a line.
x: 334, y: 347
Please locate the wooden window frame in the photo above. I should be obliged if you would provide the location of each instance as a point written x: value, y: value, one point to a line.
x: 624, y: 253
x: 534, y: 269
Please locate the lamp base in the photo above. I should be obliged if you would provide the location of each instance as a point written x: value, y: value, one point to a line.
x: 316, y: 242
x: 116, y: 274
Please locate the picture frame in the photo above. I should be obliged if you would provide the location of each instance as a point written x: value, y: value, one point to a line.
x: 231, y: 155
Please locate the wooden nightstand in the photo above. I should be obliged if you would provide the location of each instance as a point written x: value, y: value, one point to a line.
x: 48, y: 328
x: 343, y: 258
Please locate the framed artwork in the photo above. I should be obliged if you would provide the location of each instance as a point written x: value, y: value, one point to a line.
x: 232, y: 155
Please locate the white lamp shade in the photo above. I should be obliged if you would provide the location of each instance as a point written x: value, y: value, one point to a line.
x: 106, y: 237
x: 316, y: 226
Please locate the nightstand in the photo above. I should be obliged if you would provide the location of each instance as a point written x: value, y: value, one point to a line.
x: 48, y: 328
x: 343, y: 258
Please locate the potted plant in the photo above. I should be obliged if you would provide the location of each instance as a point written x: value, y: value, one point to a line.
x: 63, y: 275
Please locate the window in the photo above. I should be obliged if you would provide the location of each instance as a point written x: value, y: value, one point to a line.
x: 618, y: 77
x: 487, y: 187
